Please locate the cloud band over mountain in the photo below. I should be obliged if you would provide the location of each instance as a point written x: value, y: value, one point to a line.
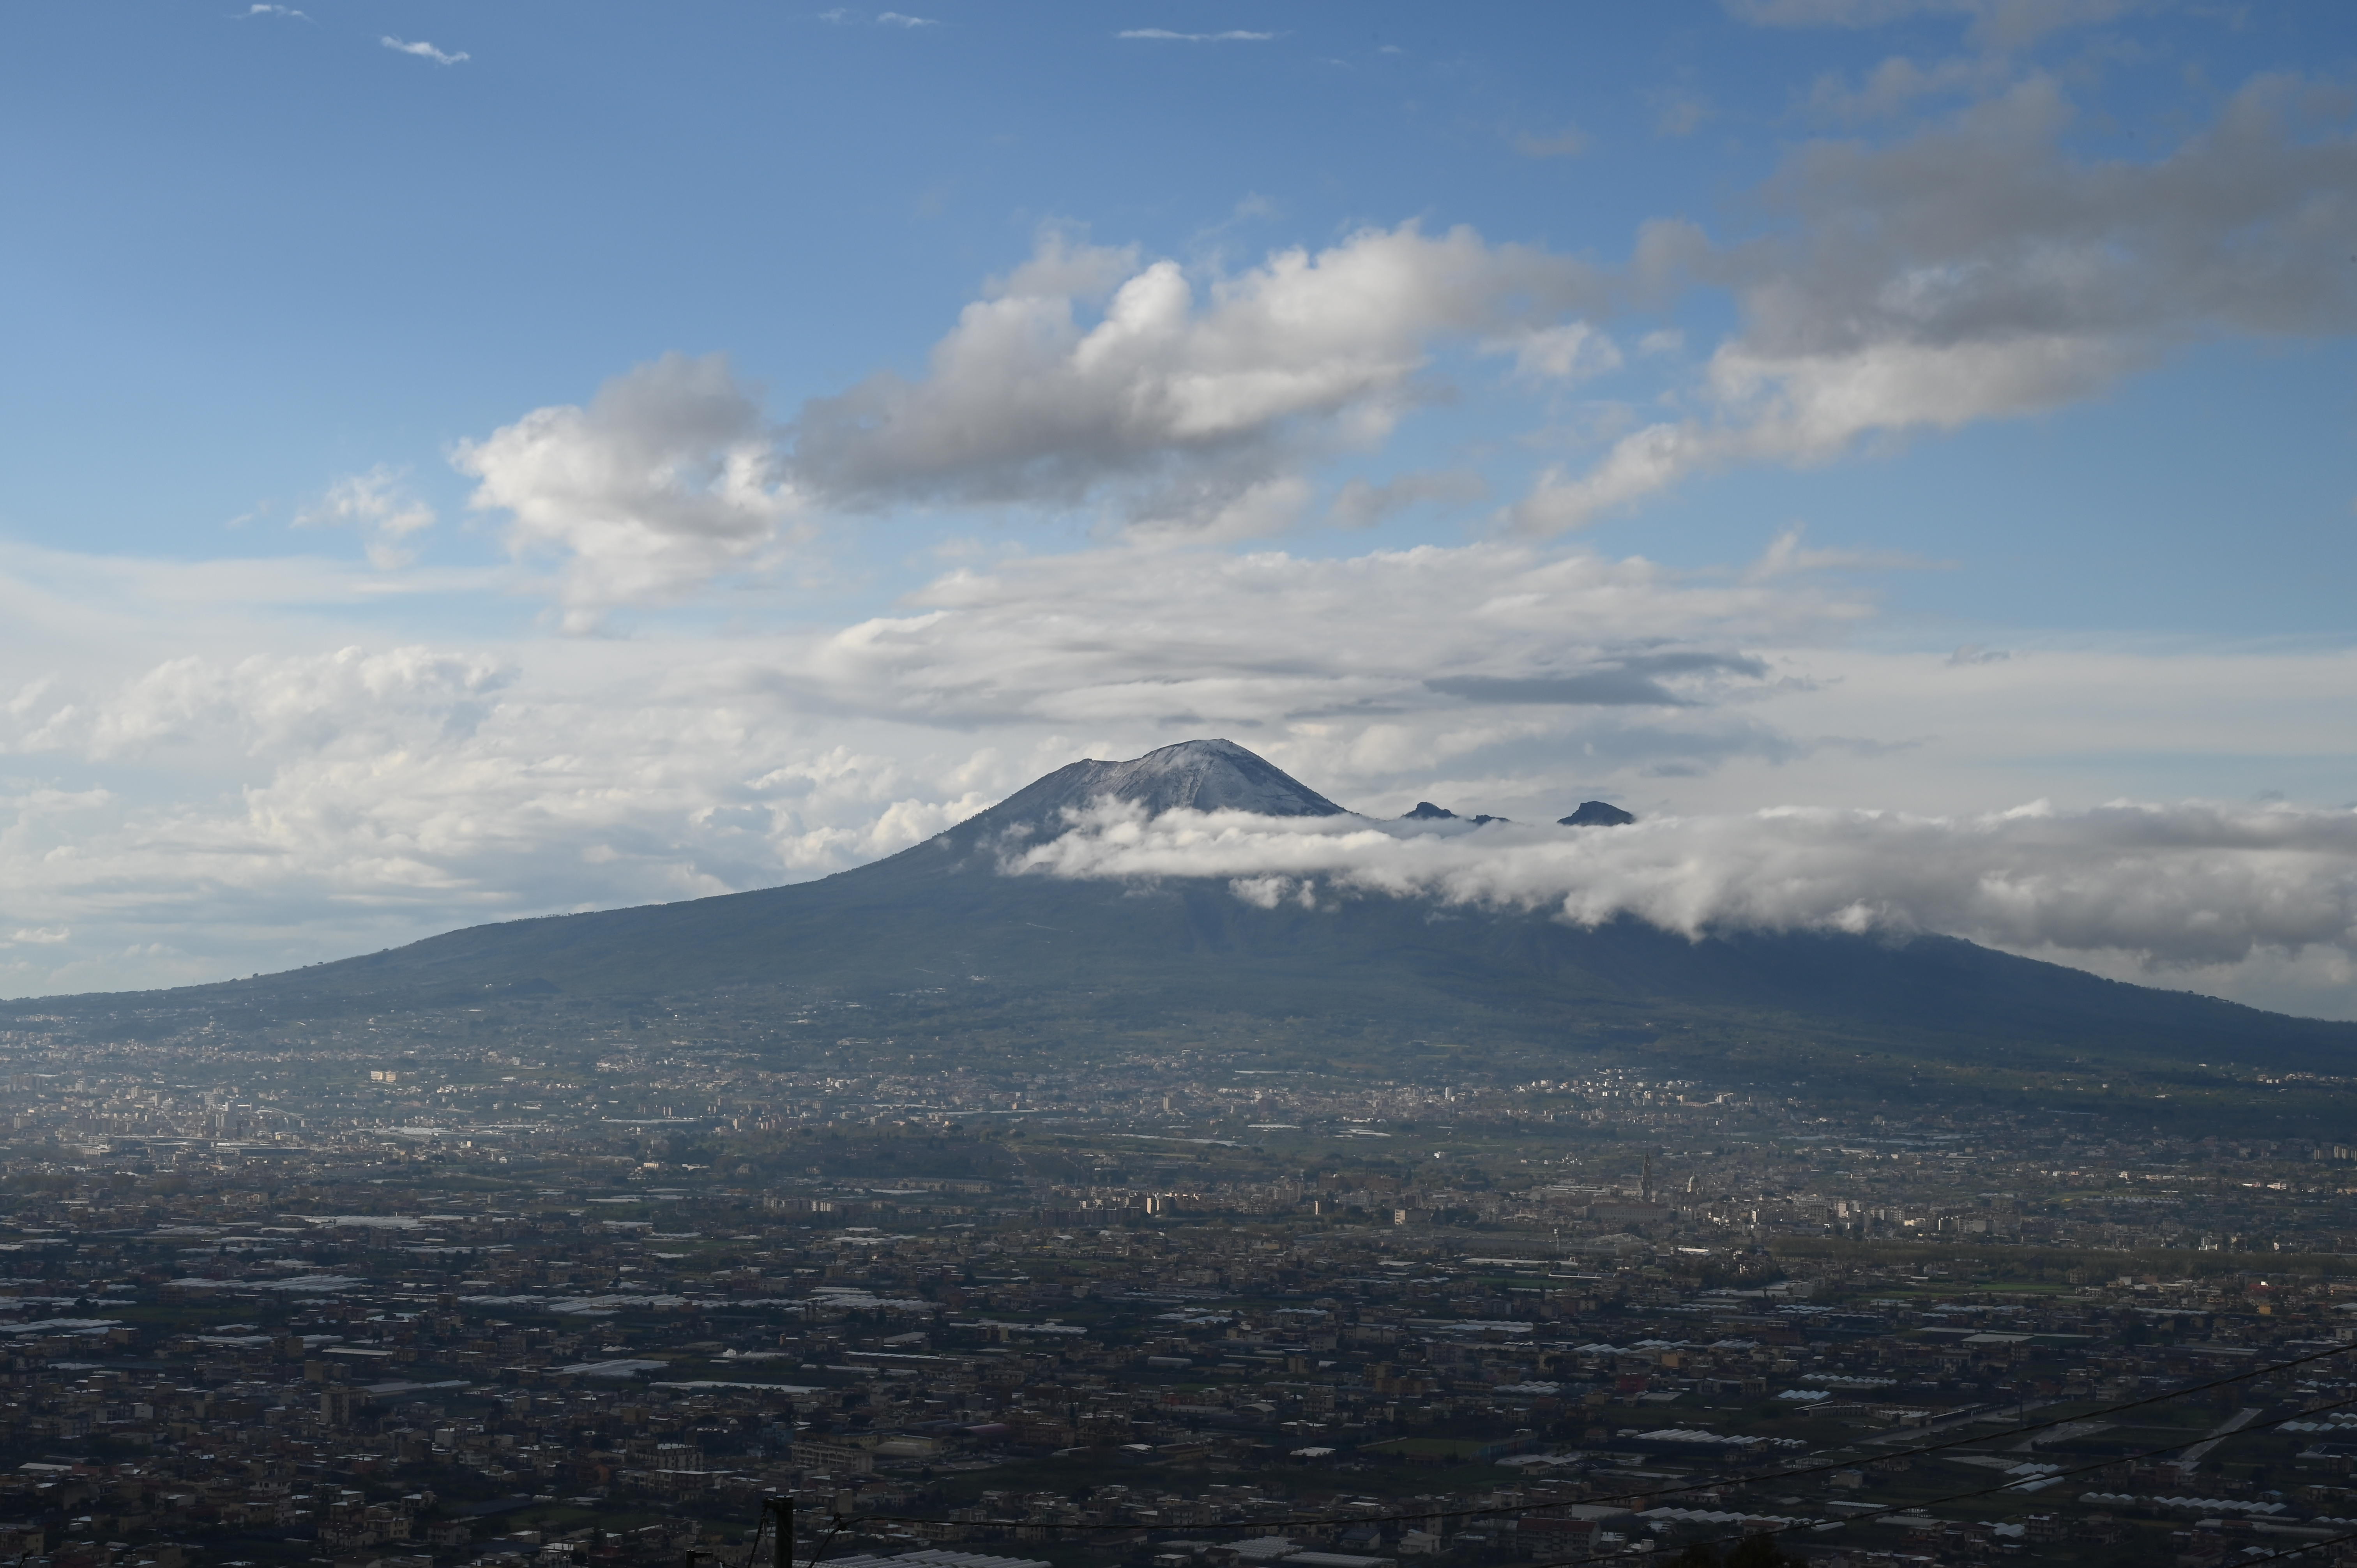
x: 2171, y: 885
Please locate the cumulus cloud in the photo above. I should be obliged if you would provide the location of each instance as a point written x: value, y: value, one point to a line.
x: 2171, y: 885
x: 1185, y: 398
x: 377, y: 503
x: 423, y: 51
x: 667, y: 479
x: 1976, y: 270
x: 1979, y: 271
x: 1180, y: 404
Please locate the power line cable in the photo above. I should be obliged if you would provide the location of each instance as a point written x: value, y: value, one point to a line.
x: 753, y: 1553
x: 827, y: 1540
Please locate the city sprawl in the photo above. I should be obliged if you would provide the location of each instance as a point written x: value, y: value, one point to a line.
x: 435, y: 1291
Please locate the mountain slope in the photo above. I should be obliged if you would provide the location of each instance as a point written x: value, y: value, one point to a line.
x: 940, y: 921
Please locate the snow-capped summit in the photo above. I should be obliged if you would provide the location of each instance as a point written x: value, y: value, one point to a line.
x: 1194, y: 775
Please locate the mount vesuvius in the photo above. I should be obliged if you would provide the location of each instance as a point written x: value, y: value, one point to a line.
x: 937, y: 934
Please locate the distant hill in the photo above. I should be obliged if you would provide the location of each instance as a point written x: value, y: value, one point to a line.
x: 1033, y: 952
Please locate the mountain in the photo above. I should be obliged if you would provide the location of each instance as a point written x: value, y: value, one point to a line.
x: 1194, y: 775
x: 1426, y: 811
x: 938, y: 942
x: 1596, y: 814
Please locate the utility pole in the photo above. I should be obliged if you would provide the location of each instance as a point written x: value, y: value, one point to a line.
x: 781, y: 1525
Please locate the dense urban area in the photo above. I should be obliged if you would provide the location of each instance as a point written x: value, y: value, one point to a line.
x: 427, y: 1298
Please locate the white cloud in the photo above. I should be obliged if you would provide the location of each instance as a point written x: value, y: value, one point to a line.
x: 667, y: 479
x: 1787, y: 555
x: 271, y: 706
x: 1978, y: 271
x: 1105, y: 640
x: 1178, y: 406
x: 1164, y: 35
x: 191, y: 788
x: 1359, y: 504
x: 261, y: 809
x: 287, y: 11
x: 1640, y: 465
x: 899, y: 19
x: 273, y: 809
x: 377, y: 503
x: 1063, y: 266
x: 2167, y: 885
x: 1567, y: 351
x: 423, y: 51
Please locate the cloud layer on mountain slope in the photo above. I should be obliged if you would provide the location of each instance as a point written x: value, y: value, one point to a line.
x: 2168, y: 886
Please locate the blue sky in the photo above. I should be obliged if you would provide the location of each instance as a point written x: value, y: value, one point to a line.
x: 1960, y: 387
